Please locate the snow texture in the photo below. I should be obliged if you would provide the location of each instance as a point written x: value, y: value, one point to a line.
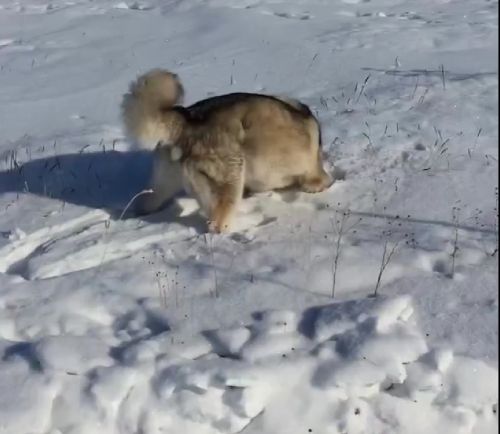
x: 369, y: 308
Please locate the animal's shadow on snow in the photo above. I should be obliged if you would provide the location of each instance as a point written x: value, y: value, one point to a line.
x: 101, y: 180
x: 25, y: 351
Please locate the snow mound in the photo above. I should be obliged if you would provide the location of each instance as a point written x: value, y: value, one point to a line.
x: 356, y: 366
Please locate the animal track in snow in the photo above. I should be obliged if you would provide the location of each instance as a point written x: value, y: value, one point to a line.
x: 6, y: 42
x: 137, y: 6
x: 292, y: 16
x: 20, y: 249
x: 78, y: 244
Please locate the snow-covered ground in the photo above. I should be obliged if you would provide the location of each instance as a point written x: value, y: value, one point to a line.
x: 148, y: 325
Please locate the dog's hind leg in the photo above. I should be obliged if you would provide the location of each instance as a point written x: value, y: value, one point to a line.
x: 200, y: 186
x: 227, y: 198
x: 166, y: 181
x: 219, y: 198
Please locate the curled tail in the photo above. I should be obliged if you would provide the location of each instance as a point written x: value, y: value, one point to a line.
x: 145, y: 105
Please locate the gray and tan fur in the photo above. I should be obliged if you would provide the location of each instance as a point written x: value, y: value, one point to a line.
x: 222, y: 145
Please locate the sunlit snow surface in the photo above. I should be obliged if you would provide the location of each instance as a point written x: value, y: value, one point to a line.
x: 149, y: 325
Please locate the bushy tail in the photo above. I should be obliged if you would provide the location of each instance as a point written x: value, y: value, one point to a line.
x: 144, y: 107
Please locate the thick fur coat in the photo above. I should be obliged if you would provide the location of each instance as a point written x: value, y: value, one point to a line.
x: 222, y: 145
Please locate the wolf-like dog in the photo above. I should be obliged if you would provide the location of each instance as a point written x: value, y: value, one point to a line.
x: 222, y: 145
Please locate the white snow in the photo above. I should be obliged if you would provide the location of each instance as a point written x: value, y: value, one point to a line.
x: 149, y: 325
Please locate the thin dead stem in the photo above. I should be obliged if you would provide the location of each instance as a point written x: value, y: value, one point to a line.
x: 386, y: 258
x: 455, y: 240
x: 341, y: 227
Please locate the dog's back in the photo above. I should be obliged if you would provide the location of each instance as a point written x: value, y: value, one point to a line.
x: 251, y: 111
x: 201, y: 110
